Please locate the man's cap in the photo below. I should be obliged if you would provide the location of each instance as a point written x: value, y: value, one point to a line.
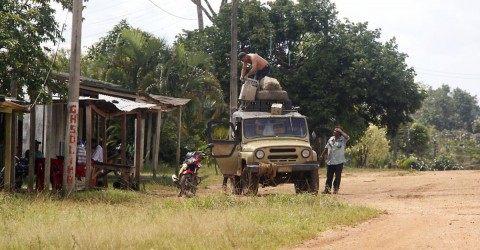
x: 38, y: 142
x: 241, y: 55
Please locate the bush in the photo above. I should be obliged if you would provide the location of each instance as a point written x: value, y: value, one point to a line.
x: 444, y: 163
x: 408, y: 163
x: 439, y: 164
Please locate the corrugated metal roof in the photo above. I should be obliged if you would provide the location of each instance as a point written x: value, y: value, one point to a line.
x: 124, y: 104
x: 170, y: 100
x: 92, y: 86
x: 14, y: 104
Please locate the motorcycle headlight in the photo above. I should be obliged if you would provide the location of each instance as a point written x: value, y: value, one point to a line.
x: 306, y: 153
x: 259, y: 154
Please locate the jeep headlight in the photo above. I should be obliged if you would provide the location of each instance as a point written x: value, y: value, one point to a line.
x: 259, y: 154
x: 306, y: 153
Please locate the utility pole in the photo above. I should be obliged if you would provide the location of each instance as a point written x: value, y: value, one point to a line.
x: 233, y: 61
x: 72, y: 106
x: 199, y: 14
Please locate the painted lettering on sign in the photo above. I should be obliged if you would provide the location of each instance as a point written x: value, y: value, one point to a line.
x: 72, y: 143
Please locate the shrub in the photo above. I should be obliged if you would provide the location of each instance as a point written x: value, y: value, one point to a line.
x: 438, y: 164
x: 408, y: 163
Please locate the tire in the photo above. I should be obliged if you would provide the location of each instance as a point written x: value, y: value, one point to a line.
x: 313, y: 181
x: 307, y: 182
x: 188, y: 185
x: 250, y: 182
x: 300, y: 184
x: 237, y: 185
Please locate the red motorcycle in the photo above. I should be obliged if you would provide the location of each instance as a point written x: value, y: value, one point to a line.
x: 188, y: 179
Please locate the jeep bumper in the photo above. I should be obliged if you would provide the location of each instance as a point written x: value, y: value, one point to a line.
x: 288, y: 168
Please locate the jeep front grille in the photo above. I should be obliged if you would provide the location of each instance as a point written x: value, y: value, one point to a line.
x: 282, y: 155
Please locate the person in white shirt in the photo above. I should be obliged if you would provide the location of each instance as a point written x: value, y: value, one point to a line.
x: 335, y: 151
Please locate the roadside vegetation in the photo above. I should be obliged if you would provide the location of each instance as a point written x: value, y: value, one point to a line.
x: 156, y: 219
x: 334, y: 73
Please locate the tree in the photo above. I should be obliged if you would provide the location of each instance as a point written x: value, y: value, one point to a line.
x: 25, y: 26
x: 129, y: 57
x: 187, y: 76
x: 372, y: 148
x: 210, y: 12
x: 418, y: 139
x: 466, y: 109
x: 476, y: 126
x: 336, y: 72
x: 447, y: 110
x: 139, y: 61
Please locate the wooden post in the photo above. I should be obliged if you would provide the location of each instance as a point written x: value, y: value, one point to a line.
x: 179, y: 132
x: 233, y: 61
x: 138, y: 140
x: 124, y: 139
x: 157, y: 143
x: 199, y: 14
x: 88, y: 149
x: 32, y: 148
x: 142, y: 139
x: 9, y: 180
x: 72, y: 106
x: 148, y: 148
x: 13, y: 141
x: 49, y: 147
x: 11, y: 138
x: 103, y: 129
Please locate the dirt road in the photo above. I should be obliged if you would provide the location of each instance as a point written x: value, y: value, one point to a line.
x: 423, y: 210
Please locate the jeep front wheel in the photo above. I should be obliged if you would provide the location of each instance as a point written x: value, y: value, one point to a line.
x: 250, y: 182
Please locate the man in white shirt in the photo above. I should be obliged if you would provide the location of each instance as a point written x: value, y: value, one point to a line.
x: 335, y: 152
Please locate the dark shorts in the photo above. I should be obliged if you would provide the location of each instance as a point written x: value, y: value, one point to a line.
x: 259, y: 75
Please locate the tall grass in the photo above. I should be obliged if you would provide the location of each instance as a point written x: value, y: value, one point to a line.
x: 115, y: 219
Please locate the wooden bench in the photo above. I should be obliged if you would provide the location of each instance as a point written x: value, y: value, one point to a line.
x: 123, y: 172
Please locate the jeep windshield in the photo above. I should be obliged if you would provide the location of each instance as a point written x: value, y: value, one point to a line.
x: 274, y: 127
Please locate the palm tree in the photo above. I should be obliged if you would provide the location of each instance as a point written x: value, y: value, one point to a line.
x: 187, y: 76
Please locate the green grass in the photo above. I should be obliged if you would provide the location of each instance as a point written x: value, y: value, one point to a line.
x: 129, y: 220
x: 155, y: 218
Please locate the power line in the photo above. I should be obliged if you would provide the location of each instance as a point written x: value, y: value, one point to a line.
x: 440, y: 75
x: 169, y: 12
x: 437, y: 72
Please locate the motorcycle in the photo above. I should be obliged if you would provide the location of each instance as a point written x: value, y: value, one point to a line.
x: 21, y: 172
x: 188, y: 179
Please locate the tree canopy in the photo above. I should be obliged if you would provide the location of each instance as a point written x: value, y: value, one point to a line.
x: 449, y: 110
x: 337, y: 72
x: 25, y: 28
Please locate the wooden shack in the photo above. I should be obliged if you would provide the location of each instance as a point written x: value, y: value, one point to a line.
x: 100, y: 101
x: 9, y: 109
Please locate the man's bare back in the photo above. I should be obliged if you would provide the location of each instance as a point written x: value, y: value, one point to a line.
x: 258, y: 63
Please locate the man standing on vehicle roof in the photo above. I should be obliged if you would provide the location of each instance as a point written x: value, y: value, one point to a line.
x: 260, y: 67
x: 335, y: 151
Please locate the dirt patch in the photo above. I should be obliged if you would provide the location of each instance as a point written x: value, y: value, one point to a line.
x: 421, y: 210
x: 426, y: 210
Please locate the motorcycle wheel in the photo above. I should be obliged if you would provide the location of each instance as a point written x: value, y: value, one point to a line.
x: 188, y: 185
